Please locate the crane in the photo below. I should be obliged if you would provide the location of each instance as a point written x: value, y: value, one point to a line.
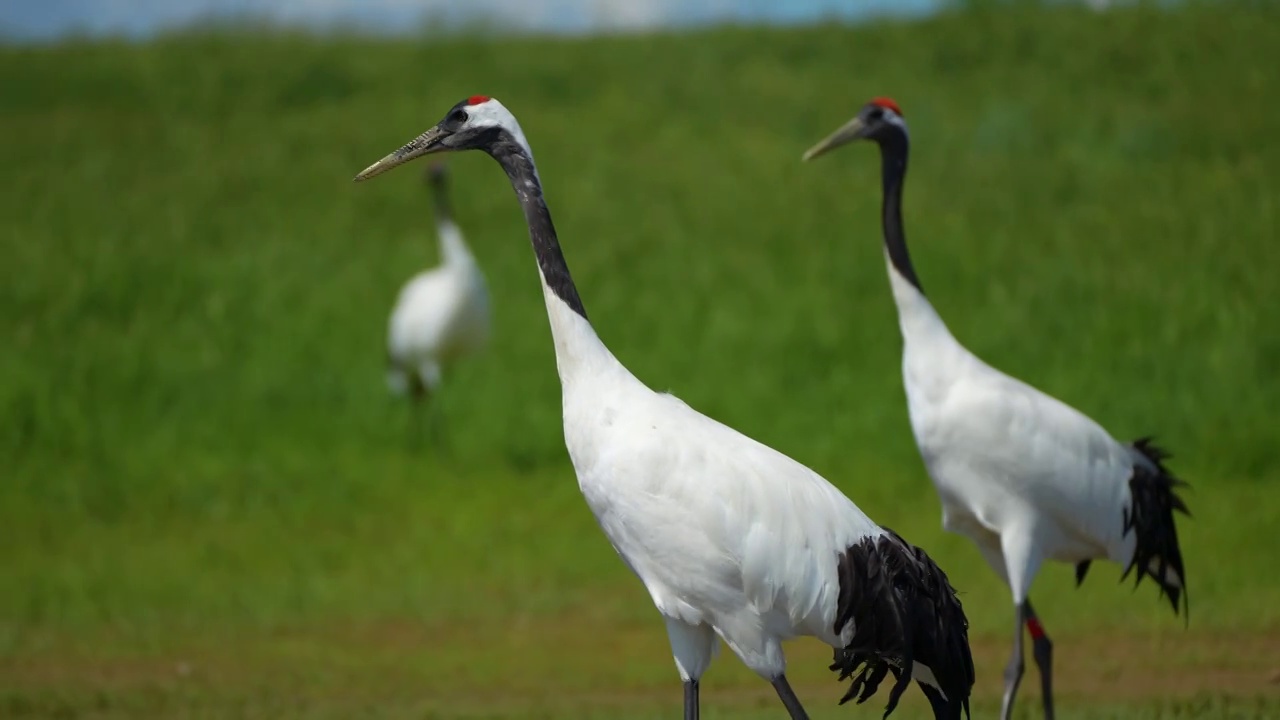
x: 1025, y: 476
x: 441, y: 314
x: 730, y: 538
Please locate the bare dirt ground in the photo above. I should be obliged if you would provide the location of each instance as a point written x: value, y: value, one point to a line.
x: 541, y: 664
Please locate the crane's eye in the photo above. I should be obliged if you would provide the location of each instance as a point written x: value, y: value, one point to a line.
x: 877, y: 113
x: 458, y: 117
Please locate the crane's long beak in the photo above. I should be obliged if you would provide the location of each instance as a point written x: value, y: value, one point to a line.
x: 848, y: 132
x: 425, y: 144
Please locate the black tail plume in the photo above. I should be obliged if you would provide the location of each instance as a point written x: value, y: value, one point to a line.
x: 1082, y: 569
x: 1150, y: 518
x: 903, y: 611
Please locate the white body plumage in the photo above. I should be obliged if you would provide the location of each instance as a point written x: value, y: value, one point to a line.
x: 728, y: 535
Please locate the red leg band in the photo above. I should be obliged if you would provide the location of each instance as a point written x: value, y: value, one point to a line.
x: 1034, y: 627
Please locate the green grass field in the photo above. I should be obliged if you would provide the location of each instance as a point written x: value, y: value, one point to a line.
x: 210, y: 507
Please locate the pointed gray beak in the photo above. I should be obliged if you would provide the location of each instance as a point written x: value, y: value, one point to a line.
x: 848, y: 132
x: 425, y: 144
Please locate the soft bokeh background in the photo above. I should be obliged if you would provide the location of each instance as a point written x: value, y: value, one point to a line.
x: 210, y: 507
x: 141, y: 18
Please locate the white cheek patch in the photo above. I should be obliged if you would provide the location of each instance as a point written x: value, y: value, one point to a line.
x: 486, y: 114
x: 492, y: 113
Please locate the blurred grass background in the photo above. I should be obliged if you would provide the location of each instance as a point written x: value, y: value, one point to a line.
x: 210, y: 507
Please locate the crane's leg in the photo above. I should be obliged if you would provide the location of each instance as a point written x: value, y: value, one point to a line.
x: 693, y: 647
x: 418, y: 397
x: 436, y: 427
x: 1042, y: 651
x: 1013, y: 671
x: 427, y: 410
x: 992, y: 549
x: 1021, y: 549
x: 429, y: 373
x: 690, y: 700
x: 789, y: 699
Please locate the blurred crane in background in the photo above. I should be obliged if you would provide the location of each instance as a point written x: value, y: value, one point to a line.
x: 1023, y: 475
x: 442, y: 314
x: 731, y: 538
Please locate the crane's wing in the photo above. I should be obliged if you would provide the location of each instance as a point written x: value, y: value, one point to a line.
x: 1027, y: 456
x: 688, y: 493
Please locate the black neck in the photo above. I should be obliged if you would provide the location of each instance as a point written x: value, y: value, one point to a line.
x: 542, y: 233
x: 440, y: 194
x: 893, y: 160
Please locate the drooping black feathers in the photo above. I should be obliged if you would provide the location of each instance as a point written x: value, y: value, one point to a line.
x: 1150, y: 517
x: 1082, y: 569
x: 903, y: 611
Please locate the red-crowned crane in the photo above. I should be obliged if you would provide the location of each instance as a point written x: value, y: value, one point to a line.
x: 730, y: 538
x: 1023, y: 475
x: 442, y: 314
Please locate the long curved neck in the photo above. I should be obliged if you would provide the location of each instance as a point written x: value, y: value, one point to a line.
x: 578, y: 348
x: 918, y: 320
x: 440, y: 195
x: 453, y: 249
x: 893, y: 171
x: 542, y: 232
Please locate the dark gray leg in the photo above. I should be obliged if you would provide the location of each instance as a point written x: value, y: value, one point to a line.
x: 691, y: 700
x: 419, y: 402
x: 1042, y: 651
x: 437, y: 426
x: 428, y: 423
x: 1013, y: 671
x: 789, y: 699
